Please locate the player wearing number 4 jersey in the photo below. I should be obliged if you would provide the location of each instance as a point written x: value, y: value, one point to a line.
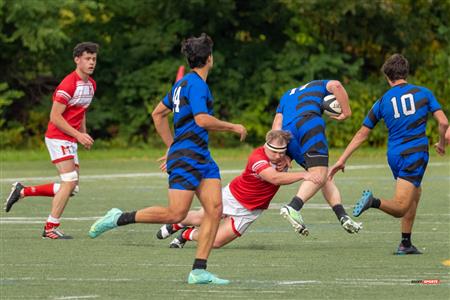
x: 192, y: 171
x: 404, y: 109
x: 67, y: 126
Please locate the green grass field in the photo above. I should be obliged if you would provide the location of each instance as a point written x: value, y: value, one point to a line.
x: 268, y: 262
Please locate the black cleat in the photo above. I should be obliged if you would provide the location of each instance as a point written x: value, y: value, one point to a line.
x: 14, y: 196
x: 179, y: 241
x: 55, y: 234
x: 402, y: 250
x: 165, y: 231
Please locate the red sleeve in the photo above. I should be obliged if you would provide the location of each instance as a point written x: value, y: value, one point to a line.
x: 65, y: 90
x: 258, y: 163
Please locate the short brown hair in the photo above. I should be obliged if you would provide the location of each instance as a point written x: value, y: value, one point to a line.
x: 279, y: 135
x: 197, y: 50
x: 88, y: 47
x: 396, y: 67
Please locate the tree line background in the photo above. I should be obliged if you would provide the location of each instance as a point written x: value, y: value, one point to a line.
x: 261, y: 49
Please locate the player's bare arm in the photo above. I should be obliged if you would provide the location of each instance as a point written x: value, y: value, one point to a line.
x: 339, y: 91
x: 357, y: 140
x: 160, y: 117
x: 447, y: 136
x: 282, y: 178
x: 277, y: 121
x: 56, y: 118
x: 443, y: 126
x: 83, y: 128
x: 211, y: 123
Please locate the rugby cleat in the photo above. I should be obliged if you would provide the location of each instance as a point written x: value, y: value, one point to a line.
x: 165, y: 231
x: 201, y: 276
x: 363, y: 204
x: 105, y: 223
x: 55, y: 234
x: 349, y: 225
x: 402, y: 250
x: 179, y: 241
x: 14, y: 196
x: 295, y: 218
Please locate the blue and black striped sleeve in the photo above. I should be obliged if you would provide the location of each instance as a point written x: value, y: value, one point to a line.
x: 167, y: 101
x: 198, y: 97
x: 433, y: 104
x: 373, y: 116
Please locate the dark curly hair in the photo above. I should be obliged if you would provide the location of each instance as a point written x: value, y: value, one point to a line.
x: 396, y: 67
x: 88, y: 47
x: 197, y: 50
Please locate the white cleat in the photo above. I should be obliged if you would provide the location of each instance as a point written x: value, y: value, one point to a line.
x: 349, y: 225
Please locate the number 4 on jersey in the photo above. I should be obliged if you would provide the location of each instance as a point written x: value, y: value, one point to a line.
x: 176, y: 99
x: 406, y: 111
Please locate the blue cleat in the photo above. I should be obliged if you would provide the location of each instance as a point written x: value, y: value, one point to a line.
x: 402, y: 250
x: 363, y: 204
x: 105, y: 223
x: 201, y: 276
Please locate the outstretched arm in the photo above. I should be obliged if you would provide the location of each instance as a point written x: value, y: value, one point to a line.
x: 339, y: 91
x: 282, y: 178
x: 357, y: 140
x: 209, y: 122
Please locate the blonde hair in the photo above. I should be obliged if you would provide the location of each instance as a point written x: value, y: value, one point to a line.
x: 278, y: 135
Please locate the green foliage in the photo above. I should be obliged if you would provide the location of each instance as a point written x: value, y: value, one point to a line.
x: 262, y: 48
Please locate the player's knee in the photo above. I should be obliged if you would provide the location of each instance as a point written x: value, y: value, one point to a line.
x: 217, y: 210
x: 401, y: 210
x: 71, y: 177
x: 218, y: 244
x: 176, y: 216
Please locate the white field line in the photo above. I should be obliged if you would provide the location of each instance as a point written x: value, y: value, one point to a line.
x: 163, y: 175
x: 385, y: 280
x: 76, y: 297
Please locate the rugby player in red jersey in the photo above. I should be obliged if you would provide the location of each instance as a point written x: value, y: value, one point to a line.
x: 66, y: 128
x: 247, y: 195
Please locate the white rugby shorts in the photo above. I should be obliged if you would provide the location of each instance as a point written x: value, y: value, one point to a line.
x: 61, y: 150
x: 241, y: 217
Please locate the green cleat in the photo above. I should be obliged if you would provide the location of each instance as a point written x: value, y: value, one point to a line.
x: 200, y: 276
x: 105, y: 223
x: 295, y: 218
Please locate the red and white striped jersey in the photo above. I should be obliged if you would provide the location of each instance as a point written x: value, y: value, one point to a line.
x: 77, y: 95
x: 249, y: 188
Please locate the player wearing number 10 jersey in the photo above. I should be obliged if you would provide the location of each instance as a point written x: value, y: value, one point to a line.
x: 404, y: 109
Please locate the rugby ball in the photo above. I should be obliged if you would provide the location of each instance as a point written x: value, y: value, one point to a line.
x: 331, y: 106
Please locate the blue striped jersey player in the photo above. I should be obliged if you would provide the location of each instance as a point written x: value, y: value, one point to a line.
x: 404, y: 109
x: 300, y: 112
x: 189, y: 159
x: 191, y: 169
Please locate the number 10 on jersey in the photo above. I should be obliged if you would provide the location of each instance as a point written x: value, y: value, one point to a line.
x: 406, y: 111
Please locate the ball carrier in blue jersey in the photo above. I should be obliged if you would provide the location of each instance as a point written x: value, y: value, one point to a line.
x: 404, y: 109
x: 191, y: 169
x: 300, y: 112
